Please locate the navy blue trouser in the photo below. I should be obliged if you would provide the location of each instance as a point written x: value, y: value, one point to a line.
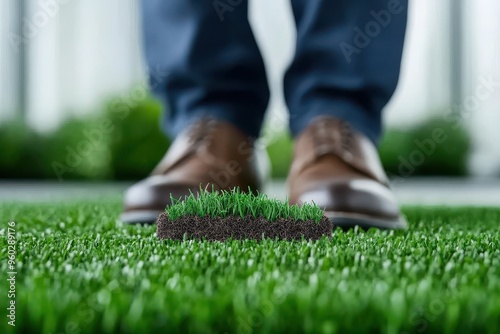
x: 346, y: 64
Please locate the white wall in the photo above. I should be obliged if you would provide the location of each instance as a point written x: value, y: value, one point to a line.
x: 8, y: 82
x: 484, y: 53
x: 81, y: 52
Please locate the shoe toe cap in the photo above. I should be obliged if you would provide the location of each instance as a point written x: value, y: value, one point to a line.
x: 360, y: 196
x: 148, y: 198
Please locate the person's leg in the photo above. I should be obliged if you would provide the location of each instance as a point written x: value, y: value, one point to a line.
x: 347, y: 61
x: 208, y: 73
x: 345, y: 70
x: 211, y: 63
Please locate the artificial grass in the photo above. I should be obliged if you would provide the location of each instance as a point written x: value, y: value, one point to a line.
x: 225, y: 215
x: 238, y: 203
x: 78, y: 271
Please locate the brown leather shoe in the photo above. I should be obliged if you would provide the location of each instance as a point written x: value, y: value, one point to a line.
x: 208, y: 154
x: 339, y: 169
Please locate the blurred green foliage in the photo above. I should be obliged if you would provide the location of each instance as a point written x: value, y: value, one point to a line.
x: 280, y: 151
x: 74, y: 152
x: 21, y: 151
x: 124, y: 142
x: 137, y: 143
x: 432, y: 148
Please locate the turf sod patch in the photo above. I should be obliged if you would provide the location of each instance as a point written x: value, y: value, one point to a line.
x: 219, y: 216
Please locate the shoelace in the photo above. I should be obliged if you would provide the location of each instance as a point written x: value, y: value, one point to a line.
x: 333, y: 136
x: 202, y: 131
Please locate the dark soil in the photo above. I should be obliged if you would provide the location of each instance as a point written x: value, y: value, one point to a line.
x: 237, y: 228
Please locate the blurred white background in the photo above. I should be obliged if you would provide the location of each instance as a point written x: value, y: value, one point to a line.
x: 77, y: 54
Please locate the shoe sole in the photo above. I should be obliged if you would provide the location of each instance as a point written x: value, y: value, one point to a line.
x: 347, y: 221
x: 343, y: 220
x: 146, y: 217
